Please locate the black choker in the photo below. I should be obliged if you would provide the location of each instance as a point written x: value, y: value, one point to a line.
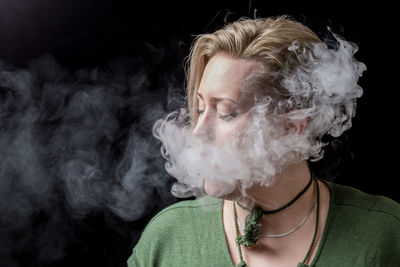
x: 286, y: 205
x: 250, y: 237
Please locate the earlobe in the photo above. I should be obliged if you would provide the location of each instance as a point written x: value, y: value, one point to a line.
x: 299, y: 125
x: 296, y: 122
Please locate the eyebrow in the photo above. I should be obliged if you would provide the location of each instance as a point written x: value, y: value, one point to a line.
x: 217, y: 99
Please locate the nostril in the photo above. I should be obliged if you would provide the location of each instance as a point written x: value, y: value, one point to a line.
x: 202, y: 132
x: 203, y: 129
x: 200, y: 129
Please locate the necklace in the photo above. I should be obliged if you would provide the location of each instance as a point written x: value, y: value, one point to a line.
x: 297, y: 227
x: 300, y: 194
x: 252, y: 227
x: 242, y: 263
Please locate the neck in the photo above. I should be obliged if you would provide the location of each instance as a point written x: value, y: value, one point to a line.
x: 287, y: 185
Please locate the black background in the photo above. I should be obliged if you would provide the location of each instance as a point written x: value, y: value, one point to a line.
x: 91, y: 33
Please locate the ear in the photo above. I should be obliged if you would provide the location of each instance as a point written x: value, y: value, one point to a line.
x: 296, y: 122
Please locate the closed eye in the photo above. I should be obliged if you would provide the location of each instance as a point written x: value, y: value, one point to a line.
x: 228, y: 117
x: 224, y: 117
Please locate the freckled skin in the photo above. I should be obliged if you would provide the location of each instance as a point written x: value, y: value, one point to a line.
x: 219, y: 121
x: 222, y: 78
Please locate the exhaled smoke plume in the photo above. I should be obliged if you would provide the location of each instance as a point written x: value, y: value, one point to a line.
x: 73, y: 145
x: 323, y: 91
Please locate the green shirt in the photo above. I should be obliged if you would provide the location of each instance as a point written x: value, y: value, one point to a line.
x: 360, y: 230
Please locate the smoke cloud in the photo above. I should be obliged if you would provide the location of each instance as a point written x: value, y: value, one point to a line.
x: 75, y: 145
x: 323, y: 90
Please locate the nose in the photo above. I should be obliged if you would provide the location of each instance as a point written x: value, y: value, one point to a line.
x: 204, y: 127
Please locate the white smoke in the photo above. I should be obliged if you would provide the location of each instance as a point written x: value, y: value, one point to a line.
x: 323, y: 90
x: 329, y: 78
x: 75, y: 145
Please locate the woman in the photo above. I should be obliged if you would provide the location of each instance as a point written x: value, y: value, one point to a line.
x: 271, y: 80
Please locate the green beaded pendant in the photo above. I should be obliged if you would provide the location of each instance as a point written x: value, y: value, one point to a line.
x: 251, y: 229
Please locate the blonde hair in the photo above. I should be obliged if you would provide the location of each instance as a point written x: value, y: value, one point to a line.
x: 263, y: 40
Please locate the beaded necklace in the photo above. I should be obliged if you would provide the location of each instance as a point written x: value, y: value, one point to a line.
x: 297, y: 227
x: 253, y: 232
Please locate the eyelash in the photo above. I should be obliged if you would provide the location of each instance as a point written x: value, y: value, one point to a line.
x: 222, y: 117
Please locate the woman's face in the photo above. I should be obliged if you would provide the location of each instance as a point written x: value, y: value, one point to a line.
x: 223, y: 108
x: 223, y: 102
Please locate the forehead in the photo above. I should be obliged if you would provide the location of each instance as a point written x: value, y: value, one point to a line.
x: 225, y: 76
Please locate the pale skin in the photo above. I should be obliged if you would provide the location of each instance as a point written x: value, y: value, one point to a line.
x: 222, y: 112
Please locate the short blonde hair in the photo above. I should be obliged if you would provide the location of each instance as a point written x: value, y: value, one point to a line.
x: 263, y: 40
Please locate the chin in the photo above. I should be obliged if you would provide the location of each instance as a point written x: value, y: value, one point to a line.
x: 222, y: 190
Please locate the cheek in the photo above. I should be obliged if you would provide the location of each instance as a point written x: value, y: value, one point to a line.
x: 230, y: 130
